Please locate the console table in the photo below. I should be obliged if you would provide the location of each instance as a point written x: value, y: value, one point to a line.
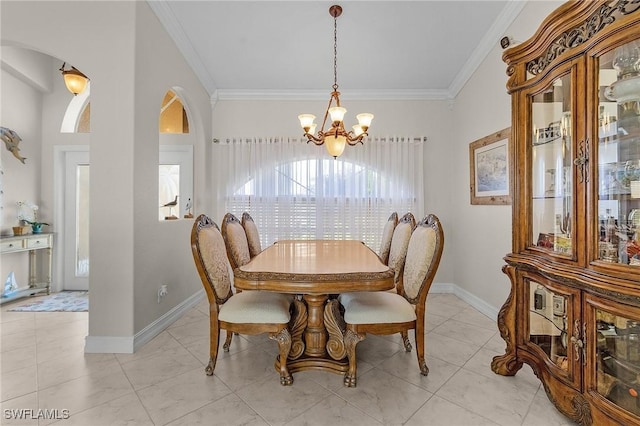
x: 30, y: 243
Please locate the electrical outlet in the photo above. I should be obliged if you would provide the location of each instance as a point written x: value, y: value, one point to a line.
x: 162, y: 291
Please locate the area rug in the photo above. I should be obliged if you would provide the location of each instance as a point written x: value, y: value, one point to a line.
x: 65, y: 301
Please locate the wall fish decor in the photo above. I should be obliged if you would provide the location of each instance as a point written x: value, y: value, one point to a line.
x: 11, y: 141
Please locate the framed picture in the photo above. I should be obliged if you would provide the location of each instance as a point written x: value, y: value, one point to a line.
x: 490, y: 180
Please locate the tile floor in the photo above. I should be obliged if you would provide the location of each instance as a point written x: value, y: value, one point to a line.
x: 44, y: 367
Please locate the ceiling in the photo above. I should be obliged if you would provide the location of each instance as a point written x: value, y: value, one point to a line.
x: 386, y: 49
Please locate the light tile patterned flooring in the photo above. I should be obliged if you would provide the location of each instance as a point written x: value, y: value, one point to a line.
x: 163, y: 383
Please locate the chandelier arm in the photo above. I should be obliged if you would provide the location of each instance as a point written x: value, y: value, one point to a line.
x: 314, y: 139
x: 326, y: 114
x: 352, y: 141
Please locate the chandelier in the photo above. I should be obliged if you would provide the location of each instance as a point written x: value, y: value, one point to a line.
x: 336, y: 137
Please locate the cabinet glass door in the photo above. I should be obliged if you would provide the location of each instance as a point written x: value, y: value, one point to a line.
x: 548, y: 323
x: 618, y: 359
x: 619, y: 156
x: 551, y: 173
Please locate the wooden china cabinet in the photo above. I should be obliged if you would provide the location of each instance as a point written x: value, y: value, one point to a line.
x: 573, y: 313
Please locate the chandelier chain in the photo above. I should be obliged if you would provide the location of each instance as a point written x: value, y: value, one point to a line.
x: 335, y: 53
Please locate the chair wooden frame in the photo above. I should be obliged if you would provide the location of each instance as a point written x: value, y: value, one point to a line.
x: 277, y: 331
x: 355, y: 333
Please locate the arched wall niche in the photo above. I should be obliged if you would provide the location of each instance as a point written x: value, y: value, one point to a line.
x: 175, y: 168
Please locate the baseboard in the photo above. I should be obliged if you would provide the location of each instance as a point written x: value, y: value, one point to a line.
x: 129, y: 344
x: 473, y: 300
x: 158, y: 326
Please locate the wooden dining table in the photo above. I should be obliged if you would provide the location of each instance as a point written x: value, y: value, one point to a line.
x: 316, y: 271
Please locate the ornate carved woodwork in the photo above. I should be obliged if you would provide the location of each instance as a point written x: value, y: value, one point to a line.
x: 573, y: 312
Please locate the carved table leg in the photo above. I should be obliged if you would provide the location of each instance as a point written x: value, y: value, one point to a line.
x: 315, y: 336
x: 296, y: 326
x: 335, y: 326
x: 508, y: 364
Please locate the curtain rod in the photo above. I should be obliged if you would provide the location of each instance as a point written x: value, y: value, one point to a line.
x: 276, y: 139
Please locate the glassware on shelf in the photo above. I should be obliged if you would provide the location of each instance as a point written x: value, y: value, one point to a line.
x: 621, y: 91
x: 626, y: 60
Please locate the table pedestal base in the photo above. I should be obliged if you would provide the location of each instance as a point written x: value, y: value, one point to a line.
x: 317, y: 331
x: 313, y: 363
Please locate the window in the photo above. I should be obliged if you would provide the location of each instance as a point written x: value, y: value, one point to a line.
x: 313, y: 196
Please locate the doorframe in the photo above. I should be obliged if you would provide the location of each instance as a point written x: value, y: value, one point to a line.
x: 59, y: 251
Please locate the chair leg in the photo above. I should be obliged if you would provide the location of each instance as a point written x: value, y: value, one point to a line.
x: 284, y: 344
x: 351, y: 339
x: 405, y: 340
x: 424, y: 370
x: 214, y: 341
x: 227, y: 341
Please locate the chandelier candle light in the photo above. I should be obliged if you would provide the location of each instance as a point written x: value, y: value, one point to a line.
x: 336, y: 137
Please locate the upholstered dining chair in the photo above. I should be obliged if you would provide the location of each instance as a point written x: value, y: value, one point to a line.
x: 398, y: 248
x: 397, y: 255
x: 387, y: 234
x: 249, y: 312
x: 387, y: 313
x: 253, y: 236
x: 235, y: 240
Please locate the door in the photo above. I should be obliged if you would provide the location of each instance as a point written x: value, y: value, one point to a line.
x: 76, y: 221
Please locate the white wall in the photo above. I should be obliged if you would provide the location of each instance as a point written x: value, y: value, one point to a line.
x: 131, y: 63
x: 163, y: 248
x: 482, y: 235
x: 20, y: 112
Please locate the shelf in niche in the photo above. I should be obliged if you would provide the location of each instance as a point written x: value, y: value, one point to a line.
x: 552, y: 197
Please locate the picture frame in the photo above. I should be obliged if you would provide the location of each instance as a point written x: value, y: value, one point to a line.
x: 491, y: 169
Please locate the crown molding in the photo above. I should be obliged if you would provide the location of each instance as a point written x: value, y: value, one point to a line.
x: 314, y: 95
x: 167, y: 18
x: 490, y: 40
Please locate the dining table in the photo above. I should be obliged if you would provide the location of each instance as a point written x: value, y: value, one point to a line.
x: 315, y: 272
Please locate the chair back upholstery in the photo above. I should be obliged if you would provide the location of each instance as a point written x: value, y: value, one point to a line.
x: 399, y: 245
x: 387, y: 234
x: 422, y: 260
x: 236, y: 241
x: 210, y: 257
x: 253, y: 237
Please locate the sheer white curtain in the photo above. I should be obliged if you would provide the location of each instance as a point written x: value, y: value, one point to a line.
x: 295, y: 190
